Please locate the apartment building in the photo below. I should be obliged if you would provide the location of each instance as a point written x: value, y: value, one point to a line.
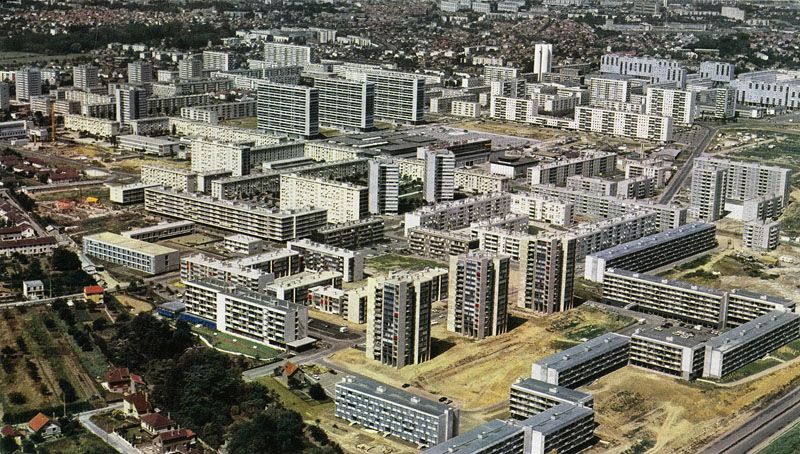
x: 249, y: 219
x: 214, y: 113
x: 584, y: 203
x: 493, y: 437
x: 199, y: 266
x: 641, y: 187
x: 343, y: 201
x: 748, y: 342
x: 85, y: 77
x: 217, y: 61
x: 470, y: 109
x: 99, y: 127
x: 247, y: 314
x: 612, y: 88
x: 651, y: 168
x: 135, y: 254
x: 439, y: 244
x: 439, y: 181
x: 389, y: 410
x: 160, y: 231
x: 761, y: 235
x: 296, y: 288
x: 492, y: 73
x: 169, y: 177
x: 399, y: 315
x: 744, y: 306
x: 746, y: 180
x: 324, y: 257
x: 478, y: 294
x: 399, y: 97
x: 384, y: 186
x: 128, y: 193
x: 279, y: 54
x: 239, y: 157
x: 459, y: 214
x: 280, y: 263
x: 5, y: 96
x: 351, y: 235
x: 513, y: 109
x: 584, y: 362
x: 344, y: 104
x: 156, y: 146
x: 592, y: 163
x: 762, y: 208
x: 657, y: 70
x: 478, y: 181
x: 28, y: 83
x: 624, y: 124
x: 190, y: 68
x: 768, y: 88
x: 653, y: 251
x: 707, y: 197
x: 243, y: 244
x: 547, y: 267
x: 349, y: 304
x: 717, y: 71
x: 529, y: 397
x: 563, y: 428
x: 680, y: 105
x: 594, y: 185
x: 671, y: 351
x: 292, y: 110
x: 140, y: 72
x: 130, y: 103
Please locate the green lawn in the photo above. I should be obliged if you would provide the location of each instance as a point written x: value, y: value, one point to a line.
x: 750, y: 369
x: 788, y: 352
x: 307, y: 407
x: 235, y: 344
x: 77, y: 444
x: 786, y: 443
x: 392, y: 262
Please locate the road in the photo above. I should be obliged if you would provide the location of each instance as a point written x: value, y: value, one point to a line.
x: 677, y: 181
x: 745, y: 438
x: 39, y: 301
x: 112, y: 439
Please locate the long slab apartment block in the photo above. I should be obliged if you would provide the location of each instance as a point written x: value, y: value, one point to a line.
x: 584, y: 362
x: 529, y: 397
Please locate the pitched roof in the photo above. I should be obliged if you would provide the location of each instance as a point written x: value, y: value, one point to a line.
x: 93, y: 290
x: 8, y: 431
x: 139, y: 401
x: 290, y: 368
x: 117, y: 375
x: 38, y: 422
x: 173, y: 435
x: 137, y: 379
x: 157, y: 421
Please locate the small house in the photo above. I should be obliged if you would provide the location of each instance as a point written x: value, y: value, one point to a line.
x: 41, y: 424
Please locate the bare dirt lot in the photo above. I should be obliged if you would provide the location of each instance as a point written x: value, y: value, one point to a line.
x: 476, y: 375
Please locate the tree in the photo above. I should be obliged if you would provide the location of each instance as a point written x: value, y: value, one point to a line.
x: 99, y: 324
x: 16, y: 398
x: 65, y: 260
x: 276, y: 430
x: 316, y: 392
x: 8, y: 445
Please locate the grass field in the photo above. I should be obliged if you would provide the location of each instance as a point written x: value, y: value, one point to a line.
x: 477, y: 374
x: 788, y: 352
x: 394, y: 262
x: 750, y: 369
x: 44, y: 355
x: 235, y: 344
x: 246, y: 122
x: 307, y: 407
x: 786, y: 443
x: 78, y: 444
x: 76, y: 195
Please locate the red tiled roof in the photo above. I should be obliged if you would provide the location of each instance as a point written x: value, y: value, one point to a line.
x: 42, y: 240
x: 290, y: 368
x: 173, y: 435
x: 137, y: 379
x: 117, y: 375
x: 139, y: 402
x: 157, y: 421
x: 94, y: 290
x: 38, y: 422
x: 8, y: 431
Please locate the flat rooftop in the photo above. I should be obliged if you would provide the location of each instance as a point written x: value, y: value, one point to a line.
x: 554, y: 391
x: 393, y: 395
x: 676, y: 335
x: 556, y: 418
x: 304, y: 278
x: 653, y: 240
x: 159, y: 227
x: 666, y: 282
x: 481, y: 437
x: 753, y: 329
x: 578, y: 354
x: 129, y: 243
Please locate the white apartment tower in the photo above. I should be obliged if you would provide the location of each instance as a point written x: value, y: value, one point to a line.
x: 542, y: 60
x: 190, y: 68
x: 131, y: 103
x: 384, y: 186
x: 288, y: 109
x: 140, y: 72
x: 478, y: 294
x: 85, y: 77
x: 28, y: 83
x: 680, y: 105
x: 217, y: 61
x: 440, y: 170
x: 346, y: 104
x: 279, y: 54
x: 707, y: 198
x: 399, y: 316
